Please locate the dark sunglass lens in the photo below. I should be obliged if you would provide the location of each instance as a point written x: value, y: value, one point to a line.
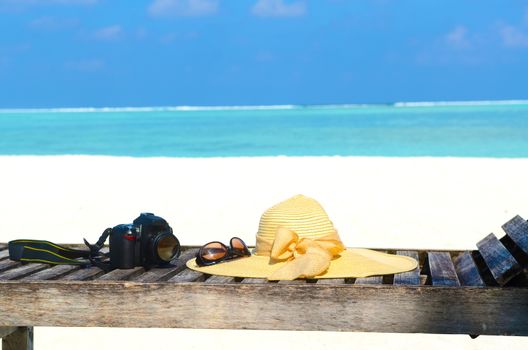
x: 213, y: 251
x: 239, y: 247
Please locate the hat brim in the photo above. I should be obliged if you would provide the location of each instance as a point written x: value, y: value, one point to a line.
x: 351, y: 263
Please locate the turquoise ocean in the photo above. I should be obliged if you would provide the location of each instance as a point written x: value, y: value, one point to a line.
x: 476, y: 129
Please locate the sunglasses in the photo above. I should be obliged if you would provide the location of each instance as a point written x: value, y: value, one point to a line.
x: 216, y: 252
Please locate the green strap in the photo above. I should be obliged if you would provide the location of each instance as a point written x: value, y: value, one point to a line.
x: 29, y: 250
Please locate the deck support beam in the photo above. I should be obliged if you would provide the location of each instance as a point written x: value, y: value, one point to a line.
x: 17, y: 338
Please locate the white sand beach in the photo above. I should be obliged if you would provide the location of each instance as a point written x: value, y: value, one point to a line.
x: 374, y: 202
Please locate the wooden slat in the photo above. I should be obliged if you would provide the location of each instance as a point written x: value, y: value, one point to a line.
x: 220, y: 279
x: 22, y: 271
x: 380, y: 308
x: 121, y: 274
x: 331, y: 281
x: 163, y: 273
x: 86, y: 273
x: 21, y: 339
x: 517, y: 230
x: 52, y: 273
x: 442, y: 270
x: 188, y: 275
x: 4, y: 254
x: 467, y: 270
x: 411, y: 277
x: 501, y: 263
x: 369, y: 280
x: 254, y: 280
x: 8, y: 264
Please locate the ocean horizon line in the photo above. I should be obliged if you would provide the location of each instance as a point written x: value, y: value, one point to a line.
x: 184, y: 108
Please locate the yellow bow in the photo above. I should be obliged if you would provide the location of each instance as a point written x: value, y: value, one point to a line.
x: 306, y: 257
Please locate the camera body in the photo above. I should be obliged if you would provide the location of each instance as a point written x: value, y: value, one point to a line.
x: 147, y: 242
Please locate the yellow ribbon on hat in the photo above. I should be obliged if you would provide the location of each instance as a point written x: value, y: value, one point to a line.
x: 306, y: 257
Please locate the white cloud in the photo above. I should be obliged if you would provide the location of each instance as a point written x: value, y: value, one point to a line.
x: 458, y: 38
x: 89, y: 65
x: 109, y: 33
x: 172, y: 8
x: 513, y: 36
x: 278, y: 8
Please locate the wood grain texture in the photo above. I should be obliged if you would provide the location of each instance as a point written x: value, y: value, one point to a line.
x: 411, y: 277
x: 6, y: 331
x: 4, y: 254
x: 163, y: 273
x: 22, y: 271
x: 86, y: 273
x: 121, y: 274
x: 441, y: 269
x: 517, y: 230
x: 500, y: 262
x: 52, y: 273
x: 331, y: 281
x: 220, y: 279
x: 254, y: 280
x: 381, y: 308
x: 21, y: 339
x: 467, y: 270
x: 188, y: 275
x: 369, y: 280
x: 8, y: 264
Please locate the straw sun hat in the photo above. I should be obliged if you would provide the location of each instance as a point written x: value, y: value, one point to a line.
x: 296, y: 239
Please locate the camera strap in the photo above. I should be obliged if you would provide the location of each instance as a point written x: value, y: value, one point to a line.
x: 30, y: 250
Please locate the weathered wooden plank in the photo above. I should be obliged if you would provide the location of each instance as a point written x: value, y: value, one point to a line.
x: 369, y: 280
x: 121, y: 274
x: 52, y: 273
x: 21, y: 339
x: 162, y: 273
x: 4, y: 254
x: 188, y: 275
x: 417, y: 309
x: 331, y: 281
x: 410, y: 277
x: 220, y: 279
x: 8, y: 264
x: 254, y: 280
x: 22, y: 271
x: 517, y: 230
x: 4, y: 331
x: 442, y: 270
x: 501, y: 263
x: 467, y: 270
x: 86, y: 273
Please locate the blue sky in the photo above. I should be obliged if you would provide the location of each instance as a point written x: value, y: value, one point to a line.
x: 73, y: 53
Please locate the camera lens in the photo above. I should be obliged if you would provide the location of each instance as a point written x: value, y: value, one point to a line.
x: 167, y: 247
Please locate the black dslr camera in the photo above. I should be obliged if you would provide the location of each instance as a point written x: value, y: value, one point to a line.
x: 147, y: 242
